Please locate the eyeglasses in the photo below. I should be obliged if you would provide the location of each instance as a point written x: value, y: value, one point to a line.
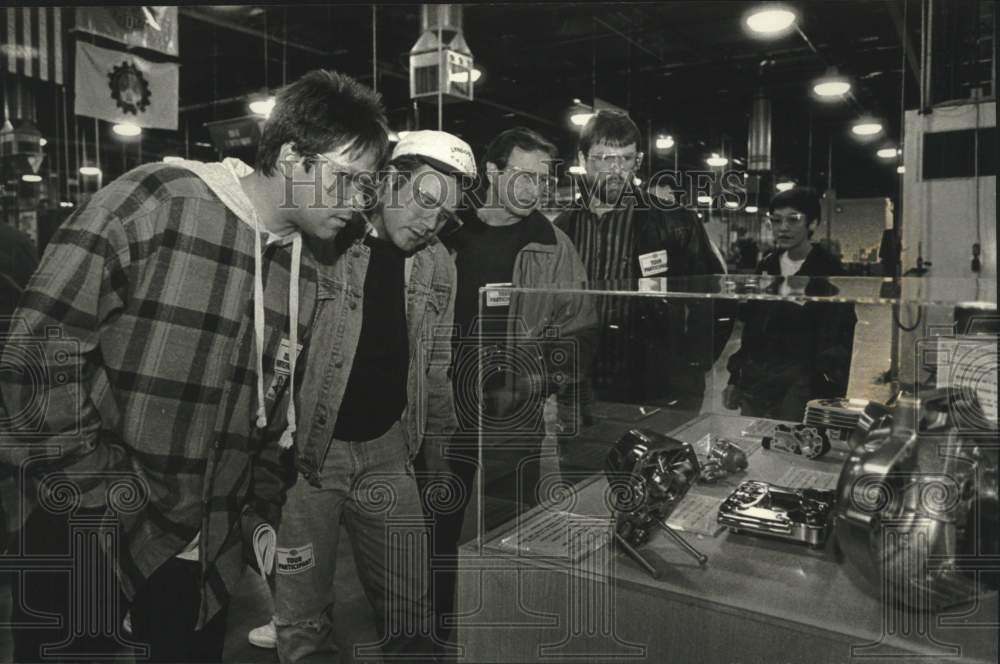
x: 446, y: 219
x: 622, y: 161
x: 789, y: 219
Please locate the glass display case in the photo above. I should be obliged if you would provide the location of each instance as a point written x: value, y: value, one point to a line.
x: 734, y: 452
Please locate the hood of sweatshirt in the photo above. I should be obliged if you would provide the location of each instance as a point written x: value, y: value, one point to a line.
x: 223, y: 178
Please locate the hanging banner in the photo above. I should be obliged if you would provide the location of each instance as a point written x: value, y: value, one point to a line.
x: 31, y: 42
x: 120, y: 87
x: 144, y: 26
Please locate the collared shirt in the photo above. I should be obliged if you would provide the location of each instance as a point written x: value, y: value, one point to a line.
x: 606, y: 244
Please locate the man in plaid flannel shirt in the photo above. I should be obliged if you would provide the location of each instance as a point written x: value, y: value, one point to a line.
x: 148, y: 405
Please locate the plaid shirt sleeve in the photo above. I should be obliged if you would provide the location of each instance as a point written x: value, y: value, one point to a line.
x: 52, y: 426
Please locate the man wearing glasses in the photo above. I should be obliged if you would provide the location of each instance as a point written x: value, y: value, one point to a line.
x: 170, y: 309
x: 377, y: 391
x: 648, y: 353
x: 507, y: 241
x: 790, y: 352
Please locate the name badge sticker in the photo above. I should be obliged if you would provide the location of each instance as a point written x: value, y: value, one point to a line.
x: 498, y: 295
x: 295, y: 561
x: 282, y: 367
x: 655, y: 262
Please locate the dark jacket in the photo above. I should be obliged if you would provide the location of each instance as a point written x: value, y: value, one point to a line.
x: 668, y: 338
x: 784, y: 341
x: 557, y: 315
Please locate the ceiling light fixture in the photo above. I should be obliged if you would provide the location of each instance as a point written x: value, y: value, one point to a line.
x: 866, y: 127
x: 31, y: 177
x: 771, y: 20
x: 784, y: 186
x: 901, y: 169
x: 887, y: 153
x: 664, y: 142
x: 751, y: 209
x: 127, y: 129
x: 704, y: 200
x: 832, y: 86
x: 262, y: 107
x: 577, y: 170
x: 90, y: 170
x: 715, y: 161
x: 580, y: 119
x: 463, y: 76
x: 43, y: 142
x: 732, y: 205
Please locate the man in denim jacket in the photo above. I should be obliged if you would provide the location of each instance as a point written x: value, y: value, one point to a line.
x: 377, y: 390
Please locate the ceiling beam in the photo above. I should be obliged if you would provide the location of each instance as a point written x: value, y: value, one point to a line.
x: 904, y: 38
x: 206, y: 17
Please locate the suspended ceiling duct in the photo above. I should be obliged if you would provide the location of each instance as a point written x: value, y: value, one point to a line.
x: 441, y: 63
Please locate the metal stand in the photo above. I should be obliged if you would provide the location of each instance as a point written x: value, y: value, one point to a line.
x: 678, y: 540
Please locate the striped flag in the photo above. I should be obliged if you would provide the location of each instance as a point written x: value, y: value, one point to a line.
x: 32, y: 42
x: 145, y: 26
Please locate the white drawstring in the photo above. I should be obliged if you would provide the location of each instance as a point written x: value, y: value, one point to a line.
x: 287, y: 438
x: 258, y: 321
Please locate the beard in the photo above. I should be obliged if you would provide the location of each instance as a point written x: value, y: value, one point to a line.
x: 608, y: 188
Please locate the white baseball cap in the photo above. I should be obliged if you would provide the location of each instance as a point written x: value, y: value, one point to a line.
x: 445, y: 152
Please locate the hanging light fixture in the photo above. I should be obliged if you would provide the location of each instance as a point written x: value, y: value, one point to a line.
x: 785, y: 185
x: 770, y: 21
x: 127, y: 129
x: 704, y: 200
x: 751, y: 209
x: 664, y: 142
x: 866, y: 126
x: 31, y: 177
x: 732, y: 205
x: 888, y: 153
x: 262, y: 107
x: 832, y: 86
x: 715, y: 161
x: 577, y: 170
x: 90, y: 170
x: 464, y: 76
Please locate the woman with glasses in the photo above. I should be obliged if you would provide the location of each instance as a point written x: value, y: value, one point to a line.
x: 792, y: 352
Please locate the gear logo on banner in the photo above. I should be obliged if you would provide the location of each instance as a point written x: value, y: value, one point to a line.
x: 129, y: 88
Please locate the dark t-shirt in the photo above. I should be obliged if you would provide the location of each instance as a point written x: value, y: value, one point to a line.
x: 376, y: 389
x: 484, y: 255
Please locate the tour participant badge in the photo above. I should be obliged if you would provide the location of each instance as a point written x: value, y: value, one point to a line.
x: 498, y: 295
x: 282, y: 368
x: 295, y: 560
x: 655, y: 262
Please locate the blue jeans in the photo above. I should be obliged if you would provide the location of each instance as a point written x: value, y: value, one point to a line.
x: 370, y: 487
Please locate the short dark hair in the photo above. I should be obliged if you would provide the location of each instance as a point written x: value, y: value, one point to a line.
x: 499, y: 149
x: 611, y: 127
x: 322, y: 111
x: 803, y: 199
